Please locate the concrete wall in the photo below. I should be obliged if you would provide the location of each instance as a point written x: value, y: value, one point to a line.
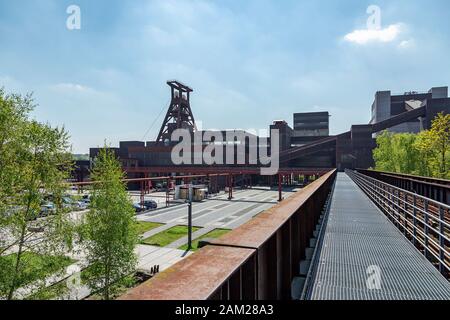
x: 439, y: 92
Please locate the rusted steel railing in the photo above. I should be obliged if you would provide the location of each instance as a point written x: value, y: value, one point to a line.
x: 424, y: 221
x: 433, y: 188
x: 256, y: 261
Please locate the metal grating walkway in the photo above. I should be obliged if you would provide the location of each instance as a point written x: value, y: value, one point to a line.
x: 358, y: 236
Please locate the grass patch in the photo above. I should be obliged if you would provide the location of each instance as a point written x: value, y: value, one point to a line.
x: 216, y: 233
x: 168, y: 236
x: 144, y: 226
x: 34, y: 267
x: 53, y: 292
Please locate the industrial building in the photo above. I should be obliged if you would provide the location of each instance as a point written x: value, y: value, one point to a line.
x: 307, y: 144
x: 386, y: 105
x: 310, y: 127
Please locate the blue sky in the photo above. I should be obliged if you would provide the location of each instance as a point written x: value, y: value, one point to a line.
x: 248, y: 61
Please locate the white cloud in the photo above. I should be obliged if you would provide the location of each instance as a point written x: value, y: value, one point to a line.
x: 71, y: 87
x: 407, y: 44
x: 364, y: 36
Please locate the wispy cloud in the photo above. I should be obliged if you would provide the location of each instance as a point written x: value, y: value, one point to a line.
x: 407, y: 44
x: 71, y: 87
x: 365, y: 36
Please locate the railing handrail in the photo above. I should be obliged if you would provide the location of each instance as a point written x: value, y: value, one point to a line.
x: 403, y: 190
x: 386, y: 196
x: 422, y: 179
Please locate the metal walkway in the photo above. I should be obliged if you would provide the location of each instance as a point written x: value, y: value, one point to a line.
x: 364, y: 256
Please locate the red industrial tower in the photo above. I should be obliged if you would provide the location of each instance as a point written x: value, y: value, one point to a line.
x: 179, y: 114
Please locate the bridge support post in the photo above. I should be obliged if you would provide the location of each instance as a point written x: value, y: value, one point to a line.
x: 167, y: 193
x: 142, y: 196
x: 280, y: 195
x: 425, y: 228
x: 230, y: 187
x: 441, y: 240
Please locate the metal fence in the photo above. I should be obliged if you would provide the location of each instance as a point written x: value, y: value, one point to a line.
x: 424, y: 221
x: 433, y: 188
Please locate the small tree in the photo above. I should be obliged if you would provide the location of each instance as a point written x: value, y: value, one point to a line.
x: 34, y: 163
x: 424, y: 146
x: 404, y: 155
x: 426, y: 153
x: 14, y: 111
x: 440, y: 132
x: 109, y: 229
x: 382, y: 154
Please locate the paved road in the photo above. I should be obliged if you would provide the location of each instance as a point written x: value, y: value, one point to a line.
x: 219, y: 212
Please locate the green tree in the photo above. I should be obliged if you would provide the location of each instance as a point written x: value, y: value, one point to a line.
x: 426, y: 153
x: 424, y: 145
x: 109, y: 229
x: 14, y: 111
x: 440, y: 132
x: 383, y: 153
x: 34, y: 163
x: 404, y: 154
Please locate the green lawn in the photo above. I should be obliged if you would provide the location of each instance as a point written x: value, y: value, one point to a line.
x: 216, y: 233
x: 144, y: 226
x: 35, y: 267
x: 163, y: 238
x: 53, y: 292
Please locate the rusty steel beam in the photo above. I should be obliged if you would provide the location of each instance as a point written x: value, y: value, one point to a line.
x: 161, y: 178
x: 204, y: 170
x: 255, y: 261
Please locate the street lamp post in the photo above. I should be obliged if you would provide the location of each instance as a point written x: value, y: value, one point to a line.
x: 189, y: 224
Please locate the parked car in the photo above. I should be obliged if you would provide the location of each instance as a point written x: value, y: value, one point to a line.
x: 150, y: 204
x: 146, y: 205
x: 68, y: 203
x: 138, y: 208
x: 47, y: 208
x: 81, y: 205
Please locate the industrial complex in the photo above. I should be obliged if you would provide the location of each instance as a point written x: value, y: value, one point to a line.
x: 216, y: 157
x: 306, y: 147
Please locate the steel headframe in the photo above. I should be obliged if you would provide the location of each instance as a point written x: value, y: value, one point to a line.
x: 179, y: 115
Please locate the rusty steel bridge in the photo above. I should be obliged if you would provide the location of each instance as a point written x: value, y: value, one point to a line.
x: 358, y: 234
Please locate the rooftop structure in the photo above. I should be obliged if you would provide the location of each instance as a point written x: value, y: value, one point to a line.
x: 386, y: 105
